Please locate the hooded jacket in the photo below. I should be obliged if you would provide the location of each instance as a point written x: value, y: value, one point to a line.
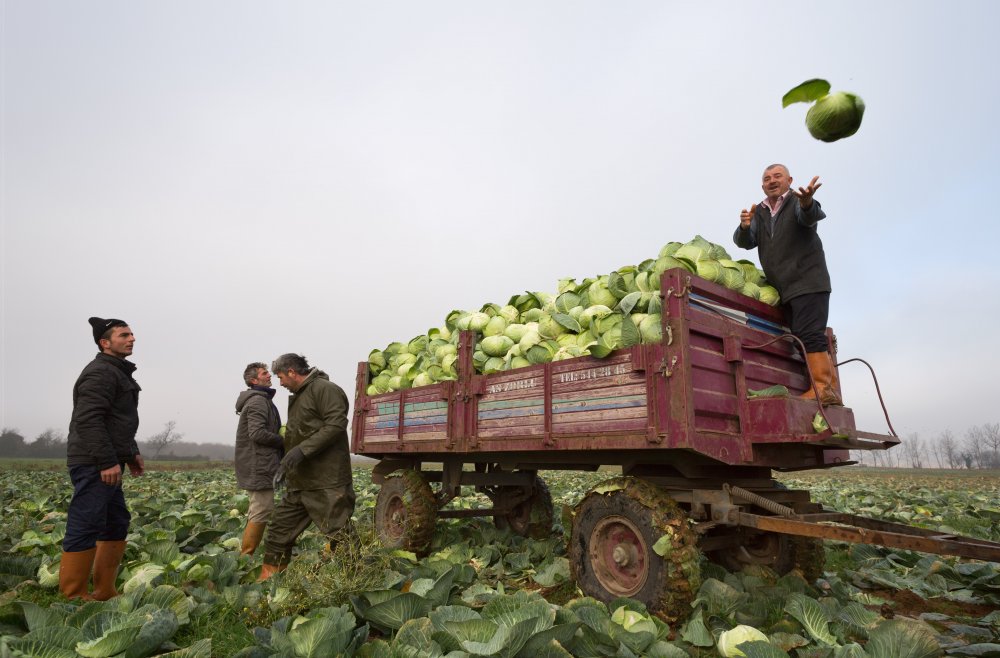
x: 317, y: 423
x: 105, y: 414
x: 258, y: 444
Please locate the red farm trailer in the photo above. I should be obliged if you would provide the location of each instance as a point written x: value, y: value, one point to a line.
x: 696, y: 452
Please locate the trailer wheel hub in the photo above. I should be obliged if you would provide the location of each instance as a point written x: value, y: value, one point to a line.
x: 617, y: 552
x: 396, y: 516
x: 624, y: 555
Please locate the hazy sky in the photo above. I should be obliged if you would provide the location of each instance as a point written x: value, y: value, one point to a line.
x: 242, y: 179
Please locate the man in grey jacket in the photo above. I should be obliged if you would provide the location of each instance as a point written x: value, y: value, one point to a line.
x: 259, y: 451
x: 783, y: 229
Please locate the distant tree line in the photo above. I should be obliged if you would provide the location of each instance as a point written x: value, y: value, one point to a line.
x: 978, y: 448
x: 164, y: 445
x: 49, y: 443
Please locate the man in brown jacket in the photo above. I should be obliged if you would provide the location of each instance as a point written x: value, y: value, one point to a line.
x: 259, y: 450
x: 317, y: 462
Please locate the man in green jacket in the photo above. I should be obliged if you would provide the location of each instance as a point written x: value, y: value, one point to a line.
x: 317, y: 462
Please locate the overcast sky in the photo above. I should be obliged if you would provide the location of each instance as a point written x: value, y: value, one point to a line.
x: 242, y: 179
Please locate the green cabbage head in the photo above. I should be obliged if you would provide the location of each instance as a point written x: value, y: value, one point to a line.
x: 769, y: 295
x: 835, y: 116
x: 730, y: 639
x: 632, y: 621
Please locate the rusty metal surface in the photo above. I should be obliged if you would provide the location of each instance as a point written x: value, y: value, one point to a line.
x: 469, y: 513
x: 862, y: 530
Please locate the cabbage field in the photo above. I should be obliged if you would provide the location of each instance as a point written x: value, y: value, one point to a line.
x: 483, y: 591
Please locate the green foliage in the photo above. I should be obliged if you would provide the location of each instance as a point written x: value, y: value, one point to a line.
x: 478, y: 588
x: 807, y: 92
x: 319, y: 633
x: 357, y: 564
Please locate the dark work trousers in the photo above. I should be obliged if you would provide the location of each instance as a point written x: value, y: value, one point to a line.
x: 807, y: 316
x: 97, y: 511
x: 329, y: 509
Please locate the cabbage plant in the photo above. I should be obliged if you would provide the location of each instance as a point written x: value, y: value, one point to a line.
x: 730, y: 640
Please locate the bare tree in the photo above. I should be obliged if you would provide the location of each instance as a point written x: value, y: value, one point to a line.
x: 913, y: 449
x: 935, y: 450
x: 50, y: 443
x: 862, y: 457
x: 877, y: 457
x: 974, y: 446
x: 891, y: 457
x: 991, y: 442
x: 160, y: 442
x: 950, y: 449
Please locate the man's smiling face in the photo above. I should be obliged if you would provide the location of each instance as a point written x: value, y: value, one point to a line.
x: 775, y: 182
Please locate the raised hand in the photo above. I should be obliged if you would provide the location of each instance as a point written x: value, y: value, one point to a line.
x: 805, y: 194
x: 747, y: 215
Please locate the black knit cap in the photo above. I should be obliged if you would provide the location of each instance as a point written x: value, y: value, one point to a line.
x: 100, y: 326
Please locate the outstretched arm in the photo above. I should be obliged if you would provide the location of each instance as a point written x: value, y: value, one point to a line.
x: 805, y: 194
x: 808, y: 212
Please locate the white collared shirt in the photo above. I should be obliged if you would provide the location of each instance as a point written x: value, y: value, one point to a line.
x: 778, y: 205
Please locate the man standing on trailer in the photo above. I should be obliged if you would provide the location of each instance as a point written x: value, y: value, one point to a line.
x: 259, y: 450
x: 101, y: 442
x: 783, y: 229
x: 317, y: 462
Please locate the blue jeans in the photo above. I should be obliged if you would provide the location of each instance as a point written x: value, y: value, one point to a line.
x: 97, y: 511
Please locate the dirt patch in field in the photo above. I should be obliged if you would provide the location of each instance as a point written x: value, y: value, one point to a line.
x: 907, y: 603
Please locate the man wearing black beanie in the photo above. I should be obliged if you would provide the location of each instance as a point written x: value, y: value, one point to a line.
x: 101, y: 442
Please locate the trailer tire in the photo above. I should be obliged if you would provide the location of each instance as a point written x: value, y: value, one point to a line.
x: 533, y: 517
x: 406, y: 512
x: 615, y: 527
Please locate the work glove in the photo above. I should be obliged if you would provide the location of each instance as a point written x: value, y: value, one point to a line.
x: 281, y: 431
x: 292, y: 459
x: 279, y: 479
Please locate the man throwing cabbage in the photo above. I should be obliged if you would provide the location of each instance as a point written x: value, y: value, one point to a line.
x: 783, y: 229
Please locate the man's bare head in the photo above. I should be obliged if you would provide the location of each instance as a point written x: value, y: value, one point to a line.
x: 775, y: 181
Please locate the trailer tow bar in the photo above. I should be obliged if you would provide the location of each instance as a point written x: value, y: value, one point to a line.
x: 856, y: 529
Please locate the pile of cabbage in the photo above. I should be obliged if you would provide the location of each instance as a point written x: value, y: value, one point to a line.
x: 591, y: 317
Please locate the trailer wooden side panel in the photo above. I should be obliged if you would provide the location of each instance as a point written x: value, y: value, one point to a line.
x: 512, y: 406
x: 417, y: 416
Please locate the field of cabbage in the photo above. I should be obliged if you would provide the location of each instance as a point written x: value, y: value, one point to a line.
x: 482, y: 592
